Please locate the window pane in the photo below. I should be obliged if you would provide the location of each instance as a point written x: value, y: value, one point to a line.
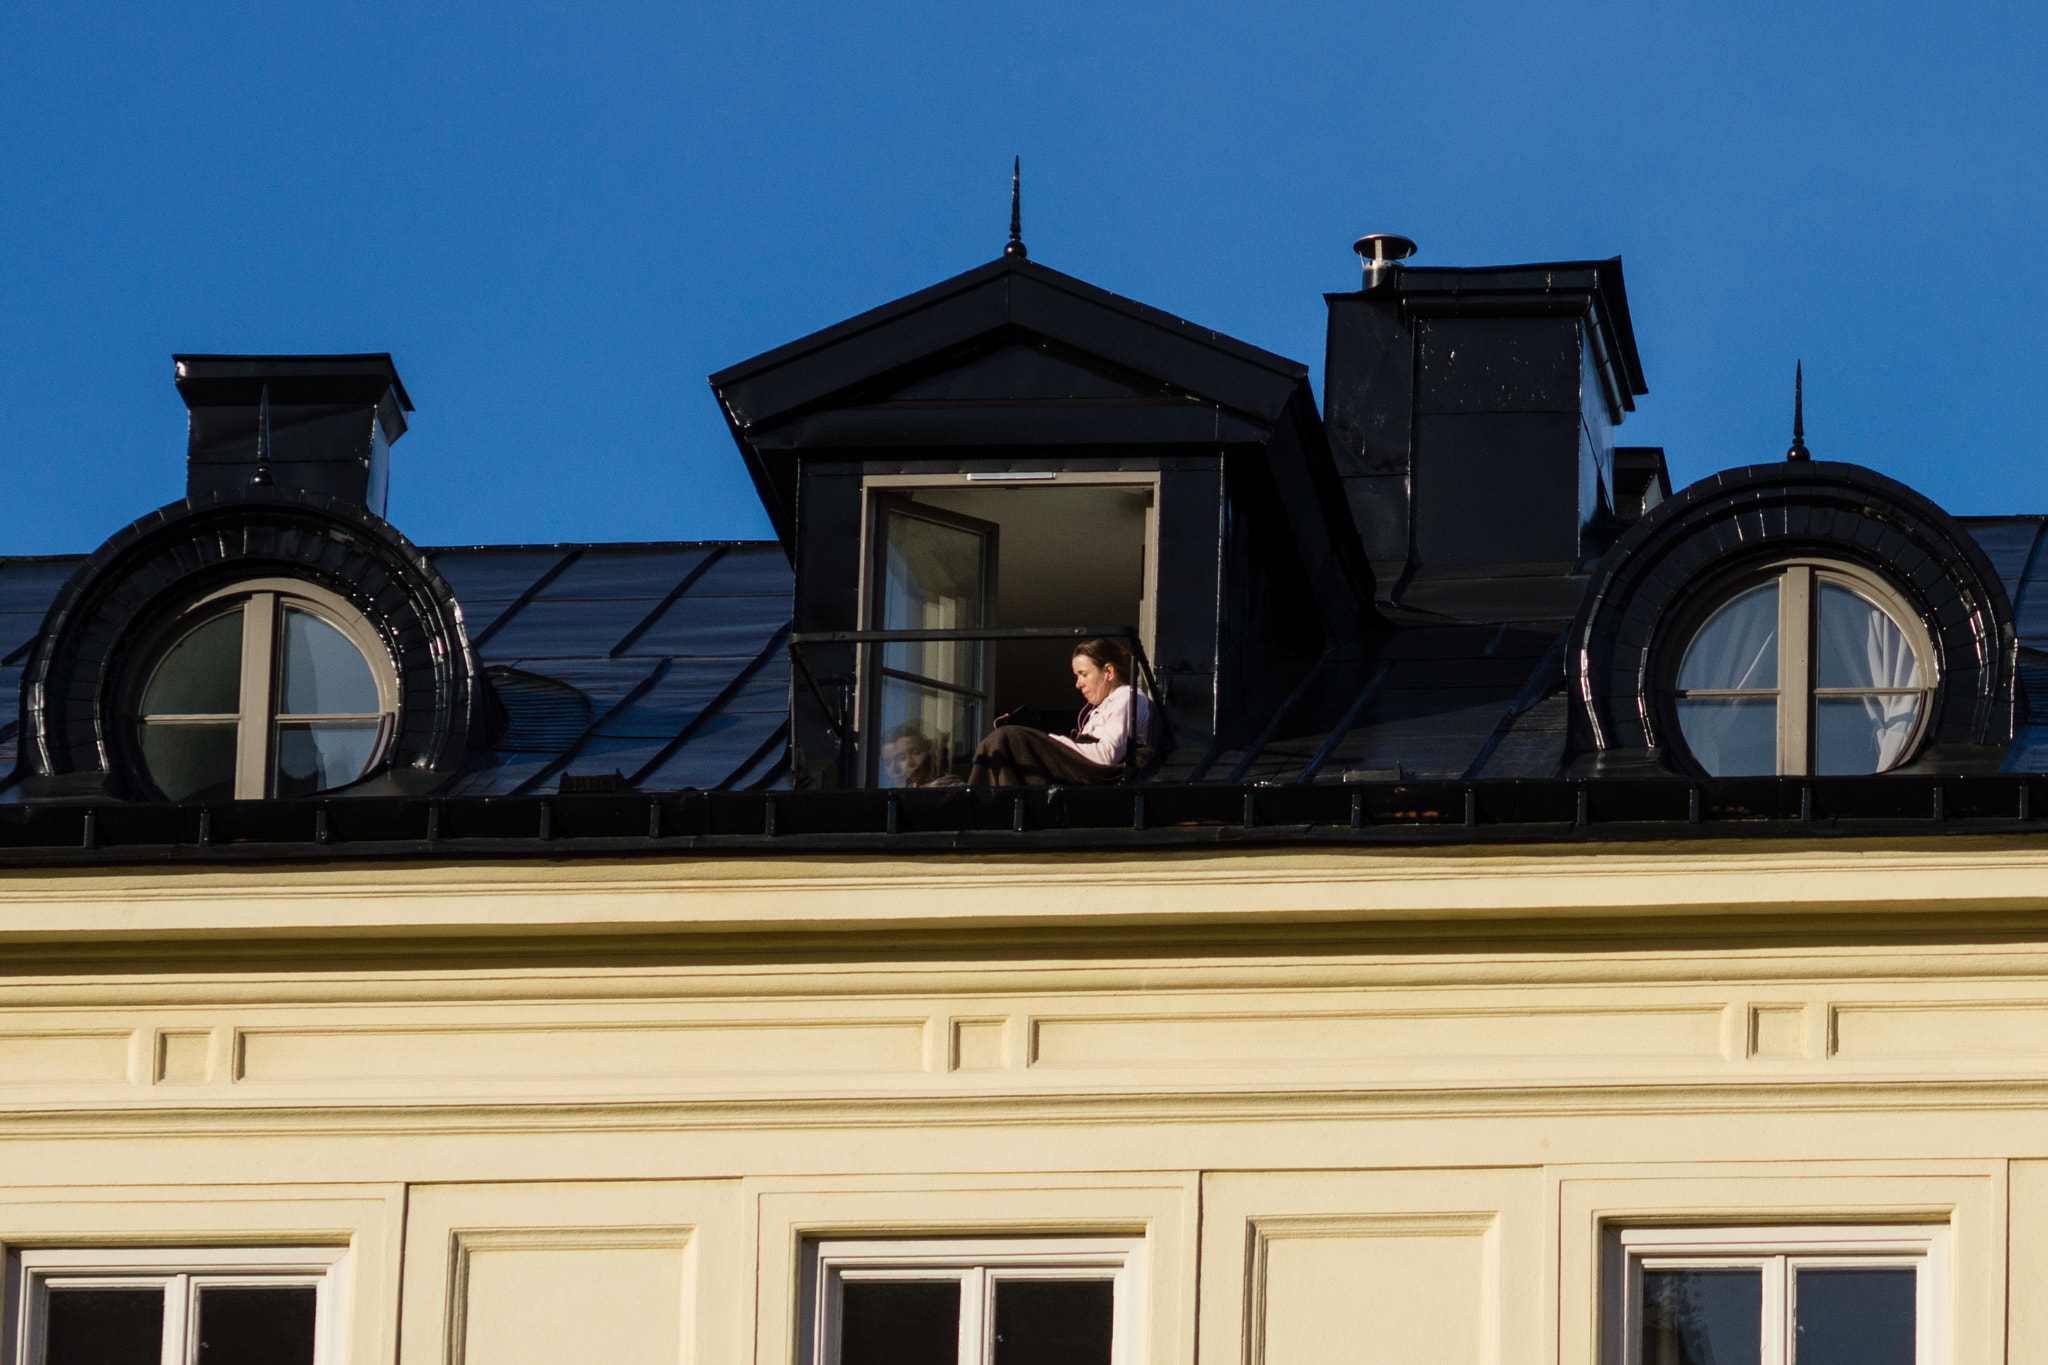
x: 928, y: 736
x: 1054, y: 1322
x: 315, y: 756
x: 932, y: 579
x: 201, y: 675
x: 1737, y: 647
x: 1860, y: 646
x: 1855, y: 1317
x: 1731, y: 736
x: 257, y: 1325
x: 324, y: 673
x: 900, y: 1322
x: 1861, y: 734
x: 191, y: 762
x: 1703, y: 1317
x: 104, y: 1327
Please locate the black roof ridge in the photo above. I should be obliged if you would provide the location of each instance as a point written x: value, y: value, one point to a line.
x: 981, y: 274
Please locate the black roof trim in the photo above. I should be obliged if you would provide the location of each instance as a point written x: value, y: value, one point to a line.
x: 984, y: 820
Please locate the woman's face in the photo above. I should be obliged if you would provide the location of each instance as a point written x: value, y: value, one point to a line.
x: 1093, y: 680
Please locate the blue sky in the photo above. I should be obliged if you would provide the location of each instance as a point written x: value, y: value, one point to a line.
x: 560, y: 218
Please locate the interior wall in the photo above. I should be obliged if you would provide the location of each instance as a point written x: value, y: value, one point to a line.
x: 1067, y: 556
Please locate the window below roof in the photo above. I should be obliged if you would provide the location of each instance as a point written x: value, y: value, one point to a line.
x: 233, y: 1306
x: 1804, y: 668
x: 987, y: 1301
x: 271, y: 688
x: 1775, y: 1296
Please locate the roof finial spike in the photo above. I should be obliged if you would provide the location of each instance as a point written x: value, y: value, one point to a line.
x: 261, y: 478
x: 1799, y: 450
x: 1016, y: 246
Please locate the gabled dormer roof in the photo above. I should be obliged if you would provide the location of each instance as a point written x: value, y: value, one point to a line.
x: 1011, y: 353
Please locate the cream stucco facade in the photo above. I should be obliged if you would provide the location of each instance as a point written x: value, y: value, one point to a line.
x: 1351, y: 1106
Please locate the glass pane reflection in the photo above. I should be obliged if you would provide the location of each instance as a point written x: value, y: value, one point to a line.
x: 1853, y: 735
x: 1731, y: 736
x: 324, y: 673
x: 257, y: 1325
x: 928, y: 736
x: 1738, y: 646
x: 318, y: 755
x: 1864, y: 1316
x: 1860, y: 646
x: 190, y: 762
x: 1054, y: 1322
x: 201, y: 675
x: 104, y: 1327
x: 1703, y: 1317
x: 899, y: 1322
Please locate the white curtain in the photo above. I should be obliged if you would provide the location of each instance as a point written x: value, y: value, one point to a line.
x: 1860, y: 646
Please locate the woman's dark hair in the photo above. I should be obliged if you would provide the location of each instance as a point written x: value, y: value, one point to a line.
x: 1107, y: 654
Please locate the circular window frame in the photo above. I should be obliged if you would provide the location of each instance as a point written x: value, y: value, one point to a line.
x: 1687, y: 623
x: 255, y: 773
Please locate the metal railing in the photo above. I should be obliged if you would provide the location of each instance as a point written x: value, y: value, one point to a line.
x: 847, y: 733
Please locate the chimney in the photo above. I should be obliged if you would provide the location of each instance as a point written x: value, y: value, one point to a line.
x: 311, y: 423
x: 1473, y: 411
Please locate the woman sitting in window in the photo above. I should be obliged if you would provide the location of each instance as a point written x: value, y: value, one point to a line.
x: 1115, y: 718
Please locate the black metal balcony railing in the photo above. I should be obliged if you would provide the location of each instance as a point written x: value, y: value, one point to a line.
x: 839, y: 714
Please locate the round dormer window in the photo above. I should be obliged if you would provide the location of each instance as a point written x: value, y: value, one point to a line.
x: 273, y: 688
x: 1805, y: 668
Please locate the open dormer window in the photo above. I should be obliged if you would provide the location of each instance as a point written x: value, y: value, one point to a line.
x: 1058, y: 554
x: 1806, y: 668
x: 272, y: 688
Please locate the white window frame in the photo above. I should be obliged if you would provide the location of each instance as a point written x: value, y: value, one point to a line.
x: 1796, y: 690
x: 977, y: 1264
x: 262, y: 603
x: 181, y: 1273
x: 1779, y: 1253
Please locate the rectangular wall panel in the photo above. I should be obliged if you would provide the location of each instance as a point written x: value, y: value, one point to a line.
x: 1387, y: 1290
x: 1878, y: 1032
x: 543, y: 1299
x: 64, y: 1058
x: 1335, y: 1040
x: 585, y: 1052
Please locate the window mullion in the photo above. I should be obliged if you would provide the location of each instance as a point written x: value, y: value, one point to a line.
x: 977, y: 1346
x: 178, y: 1310
x: 1795, y: 671
x: 254, y: 729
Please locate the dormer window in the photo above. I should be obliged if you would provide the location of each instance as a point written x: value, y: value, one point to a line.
x: 272, y: 688
x: 1807, y: 668
x: 1056, y: 553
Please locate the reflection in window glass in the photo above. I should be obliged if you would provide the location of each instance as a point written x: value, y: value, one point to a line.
x: 899, y: 1322
x: 931, y: 693
x: 257, y: 1325
x: 321, y: 755
x: 201, y: 675
x: 1702, y: 1317
x: 324, y: 673
x: 104, y: 1327
x: 1054, y: 1322
x: 1855, y: 1316
x: 190, y: 762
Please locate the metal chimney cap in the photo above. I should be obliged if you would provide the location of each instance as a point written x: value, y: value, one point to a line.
x: 1384, y: 246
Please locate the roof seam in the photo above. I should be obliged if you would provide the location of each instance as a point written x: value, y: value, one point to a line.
x: 568, y: 755
x: 539, y: 585
x: 726, y: 694
x: 702, y: 567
